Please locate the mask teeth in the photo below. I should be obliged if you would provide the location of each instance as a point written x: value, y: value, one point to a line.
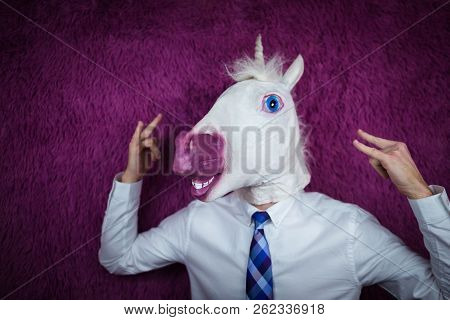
x: 199, y: 185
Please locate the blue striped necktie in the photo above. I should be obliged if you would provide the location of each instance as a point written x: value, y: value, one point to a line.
x: 259, y: 271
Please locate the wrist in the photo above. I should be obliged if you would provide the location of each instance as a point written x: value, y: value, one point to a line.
x: 129, y: 177
x: 420, y: 192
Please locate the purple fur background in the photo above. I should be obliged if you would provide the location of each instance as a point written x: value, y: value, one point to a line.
x: 66, y: 122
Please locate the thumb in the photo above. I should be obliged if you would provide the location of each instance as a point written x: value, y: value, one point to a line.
x: 135, y: 140
x: 376, y: 164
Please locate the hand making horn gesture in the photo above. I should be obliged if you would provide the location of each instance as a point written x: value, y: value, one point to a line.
x: 142, y: 151
x: 393, y: 160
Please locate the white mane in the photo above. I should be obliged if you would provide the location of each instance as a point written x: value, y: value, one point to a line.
x: 248, y: 68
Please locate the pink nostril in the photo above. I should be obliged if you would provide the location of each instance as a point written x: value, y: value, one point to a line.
x: 201, y: 154
x: 207, y: 146
x: 182, y: 164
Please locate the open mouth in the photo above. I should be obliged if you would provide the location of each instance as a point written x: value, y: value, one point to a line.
x: 202, y: 184
x: 201, y: 157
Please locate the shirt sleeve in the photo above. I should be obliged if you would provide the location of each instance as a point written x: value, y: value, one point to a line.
x: 433, y: 215
x: 382, y: 258
x: 123, y: 250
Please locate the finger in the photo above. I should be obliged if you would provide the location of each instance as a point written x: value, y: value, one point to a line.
x: 379, y: 142
x: 390, y: 149
x: 371, y: 152
x: 137, y: 133
x: 153, y: 146
x: 148, y: 143
x: 151, y: 126
x: 155, y: 154
x: 379, y: 168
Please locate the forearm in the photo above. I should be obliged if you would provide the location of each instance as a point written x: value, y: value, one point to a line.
x: 119, y: 229
x: 433, y: 215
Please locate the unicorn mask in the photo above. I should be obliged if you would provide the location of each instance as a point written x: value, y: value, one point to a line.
x: 250, y: 140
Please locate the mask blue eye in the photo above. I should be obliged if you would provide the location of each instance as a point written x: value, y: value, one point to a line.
x: 272, y: 103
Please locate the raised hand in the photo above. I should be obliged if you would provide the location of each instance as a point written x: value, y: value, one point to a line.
x: 392, y: 160
x: 142, y: 152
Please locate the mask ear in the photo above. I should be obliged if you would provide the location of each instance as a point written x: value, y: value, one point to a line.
x: 293, y: 73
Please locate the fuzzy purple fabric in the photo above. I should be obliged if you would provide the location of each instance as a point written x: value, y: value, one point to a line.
x: 68, y: 112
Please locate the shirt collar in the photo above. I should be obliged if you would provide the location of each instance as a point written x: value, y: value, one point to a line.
x: 277, y: 212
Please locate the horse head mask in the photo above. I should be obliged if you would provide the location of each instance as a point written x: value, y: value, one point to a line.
x: 250, y: 140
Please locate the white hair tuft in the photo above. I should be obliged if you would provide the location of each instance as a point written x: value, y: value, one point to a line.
x: 248, y: 68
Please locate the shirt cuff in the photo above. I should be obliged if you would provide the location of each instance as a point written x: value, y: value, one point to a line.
x: 125, y: 191
x: 432, y: 209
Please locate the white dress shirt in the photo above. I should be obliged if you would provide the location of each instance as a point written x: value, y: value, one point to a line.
x: 320, y: 248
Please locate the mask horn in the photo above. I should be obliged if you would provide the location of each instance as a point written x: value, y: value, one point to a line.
x: 259, y: 56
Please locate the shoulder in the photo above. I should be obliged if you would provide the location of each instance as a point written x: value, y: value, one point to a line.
x: 332, y: 209
x: 199, y: 208
x: 225, y: 203
x: 325, y: 204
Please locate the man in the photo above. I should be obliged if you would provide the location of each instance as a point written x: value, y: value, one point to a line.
x: 320, y: 248
x: 255, y: 233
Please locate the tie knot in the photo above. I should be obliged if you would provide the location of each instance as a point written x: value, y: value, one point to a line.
x: 260, y: 217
